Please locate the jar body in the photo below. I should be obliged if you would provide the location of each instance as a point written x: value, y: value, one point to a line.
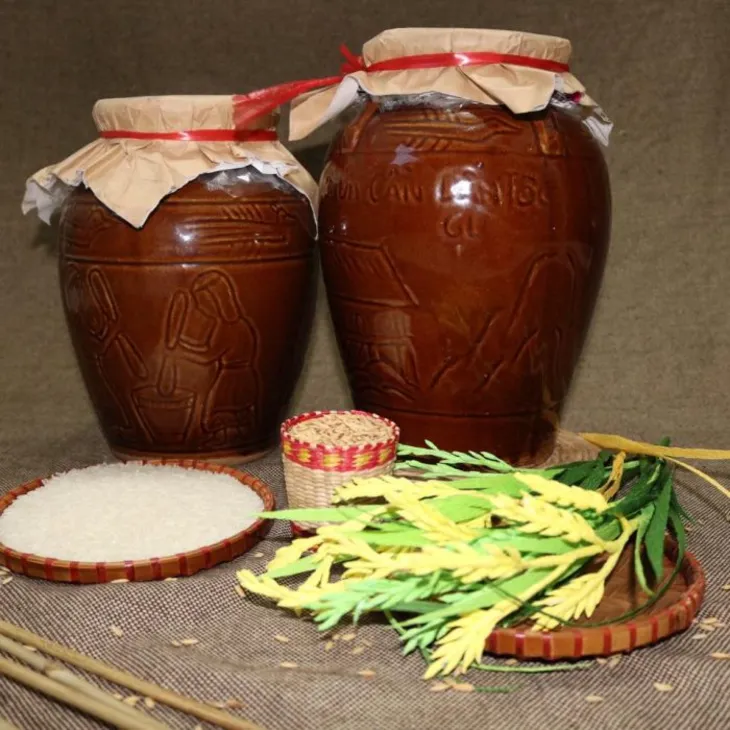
x: 463, y: 250
x: 190, y: 331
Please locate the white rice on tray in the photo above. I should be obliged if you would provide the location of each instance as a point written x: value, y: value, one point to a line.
x: 118, y: 512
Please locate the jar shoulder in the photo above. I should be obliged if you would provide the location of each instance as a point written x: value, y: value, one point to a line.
x: 464, y: 129
x: 253, y: 219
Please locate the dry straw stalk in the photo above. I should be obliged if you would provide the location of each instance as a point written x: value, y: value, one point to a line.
x: 74, y: 683
x: 116, y: 717
x: 119, y: 676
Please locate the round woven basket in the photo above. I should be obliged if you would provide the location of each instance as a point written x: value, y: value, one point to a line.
x: 312, y: 471
x: 170, y: 566
x: 606, y: 632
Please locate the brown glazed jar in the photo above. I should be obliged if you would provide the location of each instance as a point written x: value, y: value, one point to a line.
x: 463, y: 247
x: 190, y: 329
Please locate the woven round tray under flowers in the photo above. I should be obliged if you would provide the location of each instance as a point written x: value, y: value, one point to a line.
x: 671, y: 614
x: 312, y: 471
x: 171, y: 566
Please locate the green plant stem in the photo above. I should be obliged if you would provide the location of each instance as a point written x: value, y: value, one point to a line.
x: 532, y: 669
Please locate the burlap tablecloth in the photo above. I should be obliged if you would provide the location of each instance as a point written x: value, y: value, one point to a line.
x: 238, y: 656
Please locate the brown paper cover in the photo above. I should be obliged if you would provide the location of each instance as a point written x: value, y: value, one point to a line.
x: 132, y: 176
x: 520, y: 89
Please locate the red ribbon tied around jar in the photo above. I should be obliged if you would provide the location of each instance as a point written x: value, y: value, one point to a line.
x: 196, y: 135
x: 249, y: 106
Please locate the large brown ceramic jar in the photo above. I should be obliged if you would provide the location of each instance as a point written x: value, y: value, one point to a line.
x: 463, y: 248
x: 190, y: 328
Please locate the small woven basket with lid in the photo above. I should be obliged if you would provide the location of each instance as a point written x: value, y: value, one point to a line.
x: 312, y: 471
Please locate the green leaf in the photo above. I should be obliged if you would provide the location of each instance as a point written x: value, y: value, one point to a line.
x: 450, y: 458
x: 303, y: 565
x: 409, y: 537
x: 529, y: 608
x: 638, y: 552
x: 416, y: 607
x: 525, y: 543
x: 674, y: 504
x: 609, y: 528
x: 321, y: 514
x: 485, y: 597
x: 595, y: 478
x: 680, y: 533
x: 641, y: 493
x: 500, y: 483
x: 532, y: 669
x: 460, y: 507
x: 656, y: 531
x: 576, y: 473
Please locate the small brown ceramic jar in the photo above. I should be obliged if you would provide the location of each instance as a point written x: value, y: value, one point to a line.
x: 190, y: 331
x: 186, y: 267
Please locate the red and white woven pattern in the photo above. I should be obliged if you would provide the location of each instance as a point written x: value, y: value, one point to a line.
x: 335, y: 458
x: 312, y: 472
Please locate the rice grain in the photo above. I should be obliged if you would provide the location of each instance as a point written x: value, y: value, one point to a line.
x: 121, y: 512
x: 439, y: 687
x: 341, y: 429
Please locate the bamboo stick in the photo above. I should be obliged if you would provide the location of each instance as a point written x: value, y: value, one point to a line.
x: 73, y: 698
x: 125, y: 679
x: 55, y: 671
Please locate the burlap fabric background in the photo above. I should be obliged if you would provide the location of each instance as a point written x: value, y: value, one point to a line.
x: 656, y: 362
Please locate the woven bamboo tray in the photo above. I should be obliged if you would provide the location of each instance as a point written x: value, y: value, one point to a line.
x: 171, y: 566
x: 671, y: 614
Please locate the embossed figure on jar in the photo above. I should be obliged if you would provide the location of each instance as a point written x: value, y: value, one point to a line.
x: 463, y: 243
x: 208, y: 339
x: 92, y: 310
x: 188, y: 309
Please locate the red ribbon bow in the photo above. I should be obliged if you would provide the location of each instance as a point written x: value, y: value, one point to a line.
x: 352, y: 63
